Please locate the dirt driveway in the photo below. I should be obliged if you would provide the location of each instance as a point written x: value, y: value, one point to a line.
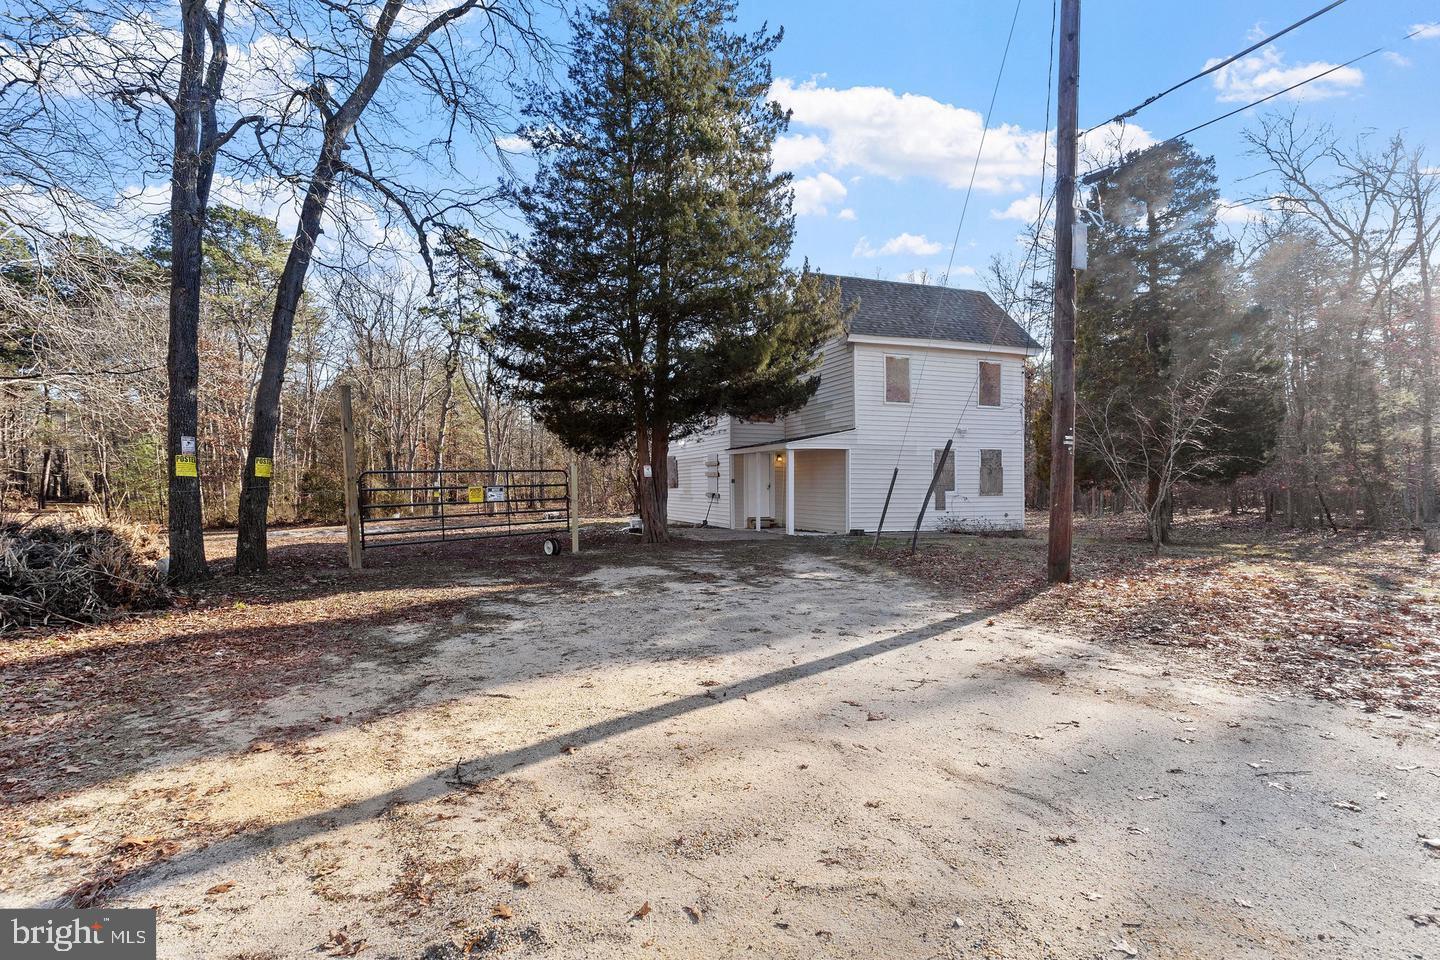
x: 740, y: 749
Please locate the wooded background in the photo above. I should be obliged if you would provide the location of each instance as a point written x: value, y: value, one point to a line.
x: 1276, y: 352
x: 83, y: 329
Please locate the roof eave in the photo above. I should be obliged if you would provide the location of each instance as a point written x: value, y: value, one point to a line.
x: 928, y: 343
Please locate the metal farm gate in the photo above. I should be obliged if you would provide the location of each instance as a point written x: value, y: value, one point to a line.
x: 391, y: 508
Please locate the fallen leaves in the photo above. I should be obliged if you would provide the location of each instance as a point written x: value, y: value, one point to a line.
x: 642, y: 913
x: 341, y: 944
x: 219, y: 888
x: 502, y: 911
x: 132, y: 853
x: 1366, y: 630
x: 513, y: 872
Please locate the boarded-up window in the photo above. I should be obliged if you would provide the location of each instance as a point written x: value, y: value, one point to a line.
x: 712, y: 478
x: 989, y: 384
x: 946, y: 481
x: 672, y: 472
x: 992, y: 474
x: 897, y: 379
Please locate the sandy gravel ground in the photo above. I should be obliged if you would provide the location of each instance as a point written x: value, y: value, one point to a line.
x: 747, y: 752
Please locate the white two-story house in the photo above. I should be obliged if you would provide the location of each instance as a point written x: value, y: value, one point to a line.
x: 916, y: 366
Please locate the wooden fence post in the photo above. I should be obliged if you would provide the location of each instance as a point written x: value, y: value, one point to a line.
x: 352, y: 481
x: 574, y: 504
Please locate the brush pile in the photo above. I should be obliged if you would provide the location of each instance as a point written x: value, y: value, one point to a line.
x: 76, y: 569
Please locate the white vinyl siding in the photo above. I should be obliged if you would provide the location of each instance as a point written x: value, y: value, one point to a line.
x: 833, y: 406
x: 688, y: 499
x: 820, y: 490
x: 948, y: 395
x: 743, y: 433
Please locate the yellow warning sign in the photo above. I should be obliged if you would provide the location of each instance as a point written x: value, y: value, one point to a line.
x: 185, y: 465
x: 475, y: 494
x: 264, y: 467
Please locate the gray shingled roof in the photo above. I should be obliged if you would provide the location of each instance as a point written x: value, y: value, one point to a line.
x: 887, y: 308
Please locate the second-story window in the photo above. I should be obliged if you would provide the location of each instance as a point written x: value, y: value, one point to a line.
x: 897, y: 379
x: 989, y: 384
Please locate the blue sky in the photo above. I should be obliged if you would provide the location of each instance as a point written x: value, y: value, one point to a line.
x: 885, y: 99
x: 888, y: 100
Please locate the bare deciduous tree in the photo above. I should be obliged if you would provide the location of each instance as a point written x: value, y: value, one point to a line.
x: 1171, y: 447
x: 353, y: 114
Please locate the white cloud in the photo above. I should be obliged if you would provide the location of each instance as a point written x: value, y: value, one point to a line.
x: 813, y: 195
x: 846, y: 214
x: 794, y: 152
x: 874, y: 130
x: 896, y: 135
x: 1024, y: 209
x: 1105, y: 145
x: 915, y: 245
x: 513, y: 144
x: 1398, y: 59
x: 1242, y: 213
x: 1234, y: 213
x: 1426, y: 31
x: 1266, y: 72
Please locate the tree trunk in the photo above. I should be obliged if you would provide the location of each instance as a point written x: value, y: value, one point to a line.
x: 189, y: 187
x: 43, y: 490
x: 250, y: 546
x: 1161, y: 514
x: 651, y: 490
x: 1325, y: 510
x: 1429, y: 499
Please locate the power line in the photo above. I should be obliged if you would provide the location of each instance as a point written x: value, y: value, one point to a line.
x: 1029, y: 263
x: 1217, y: 66
x: 1106, y: 171
x: 949, y: 265
x: 964, y: 209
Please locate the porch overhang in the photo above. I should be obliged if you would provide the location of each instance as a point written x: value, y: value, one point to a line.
x: 830, y: 440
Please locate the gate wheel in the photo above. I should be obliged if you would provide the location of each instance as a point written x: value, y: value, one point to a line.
x: 551, y: 547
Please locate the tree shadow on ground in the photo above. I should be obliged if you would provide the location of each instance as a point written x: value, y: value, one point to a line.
x: 126, y: 699
x: 471, y: 771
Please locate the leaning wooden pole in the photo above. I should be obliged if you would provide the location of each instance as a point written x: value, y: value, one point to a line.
x: 930, y: 492
x: 1062, y: 375
x: 352, y: 481
x: 886, y: 509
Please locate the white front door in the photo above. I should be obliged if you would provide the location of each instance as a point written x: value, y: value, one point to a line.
x: 759, y: 479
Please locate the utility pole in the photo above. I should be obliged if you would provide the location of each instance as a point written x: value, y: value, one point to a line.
x: 1062, y: 374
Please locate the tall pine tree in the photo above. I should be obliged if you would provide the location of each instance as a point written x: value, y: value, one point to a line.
x: 1160, y: 305
x: 651, y: 293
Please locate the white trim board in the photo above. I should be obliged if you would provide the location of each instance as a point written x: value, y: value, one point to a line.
x: 958, y: 346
